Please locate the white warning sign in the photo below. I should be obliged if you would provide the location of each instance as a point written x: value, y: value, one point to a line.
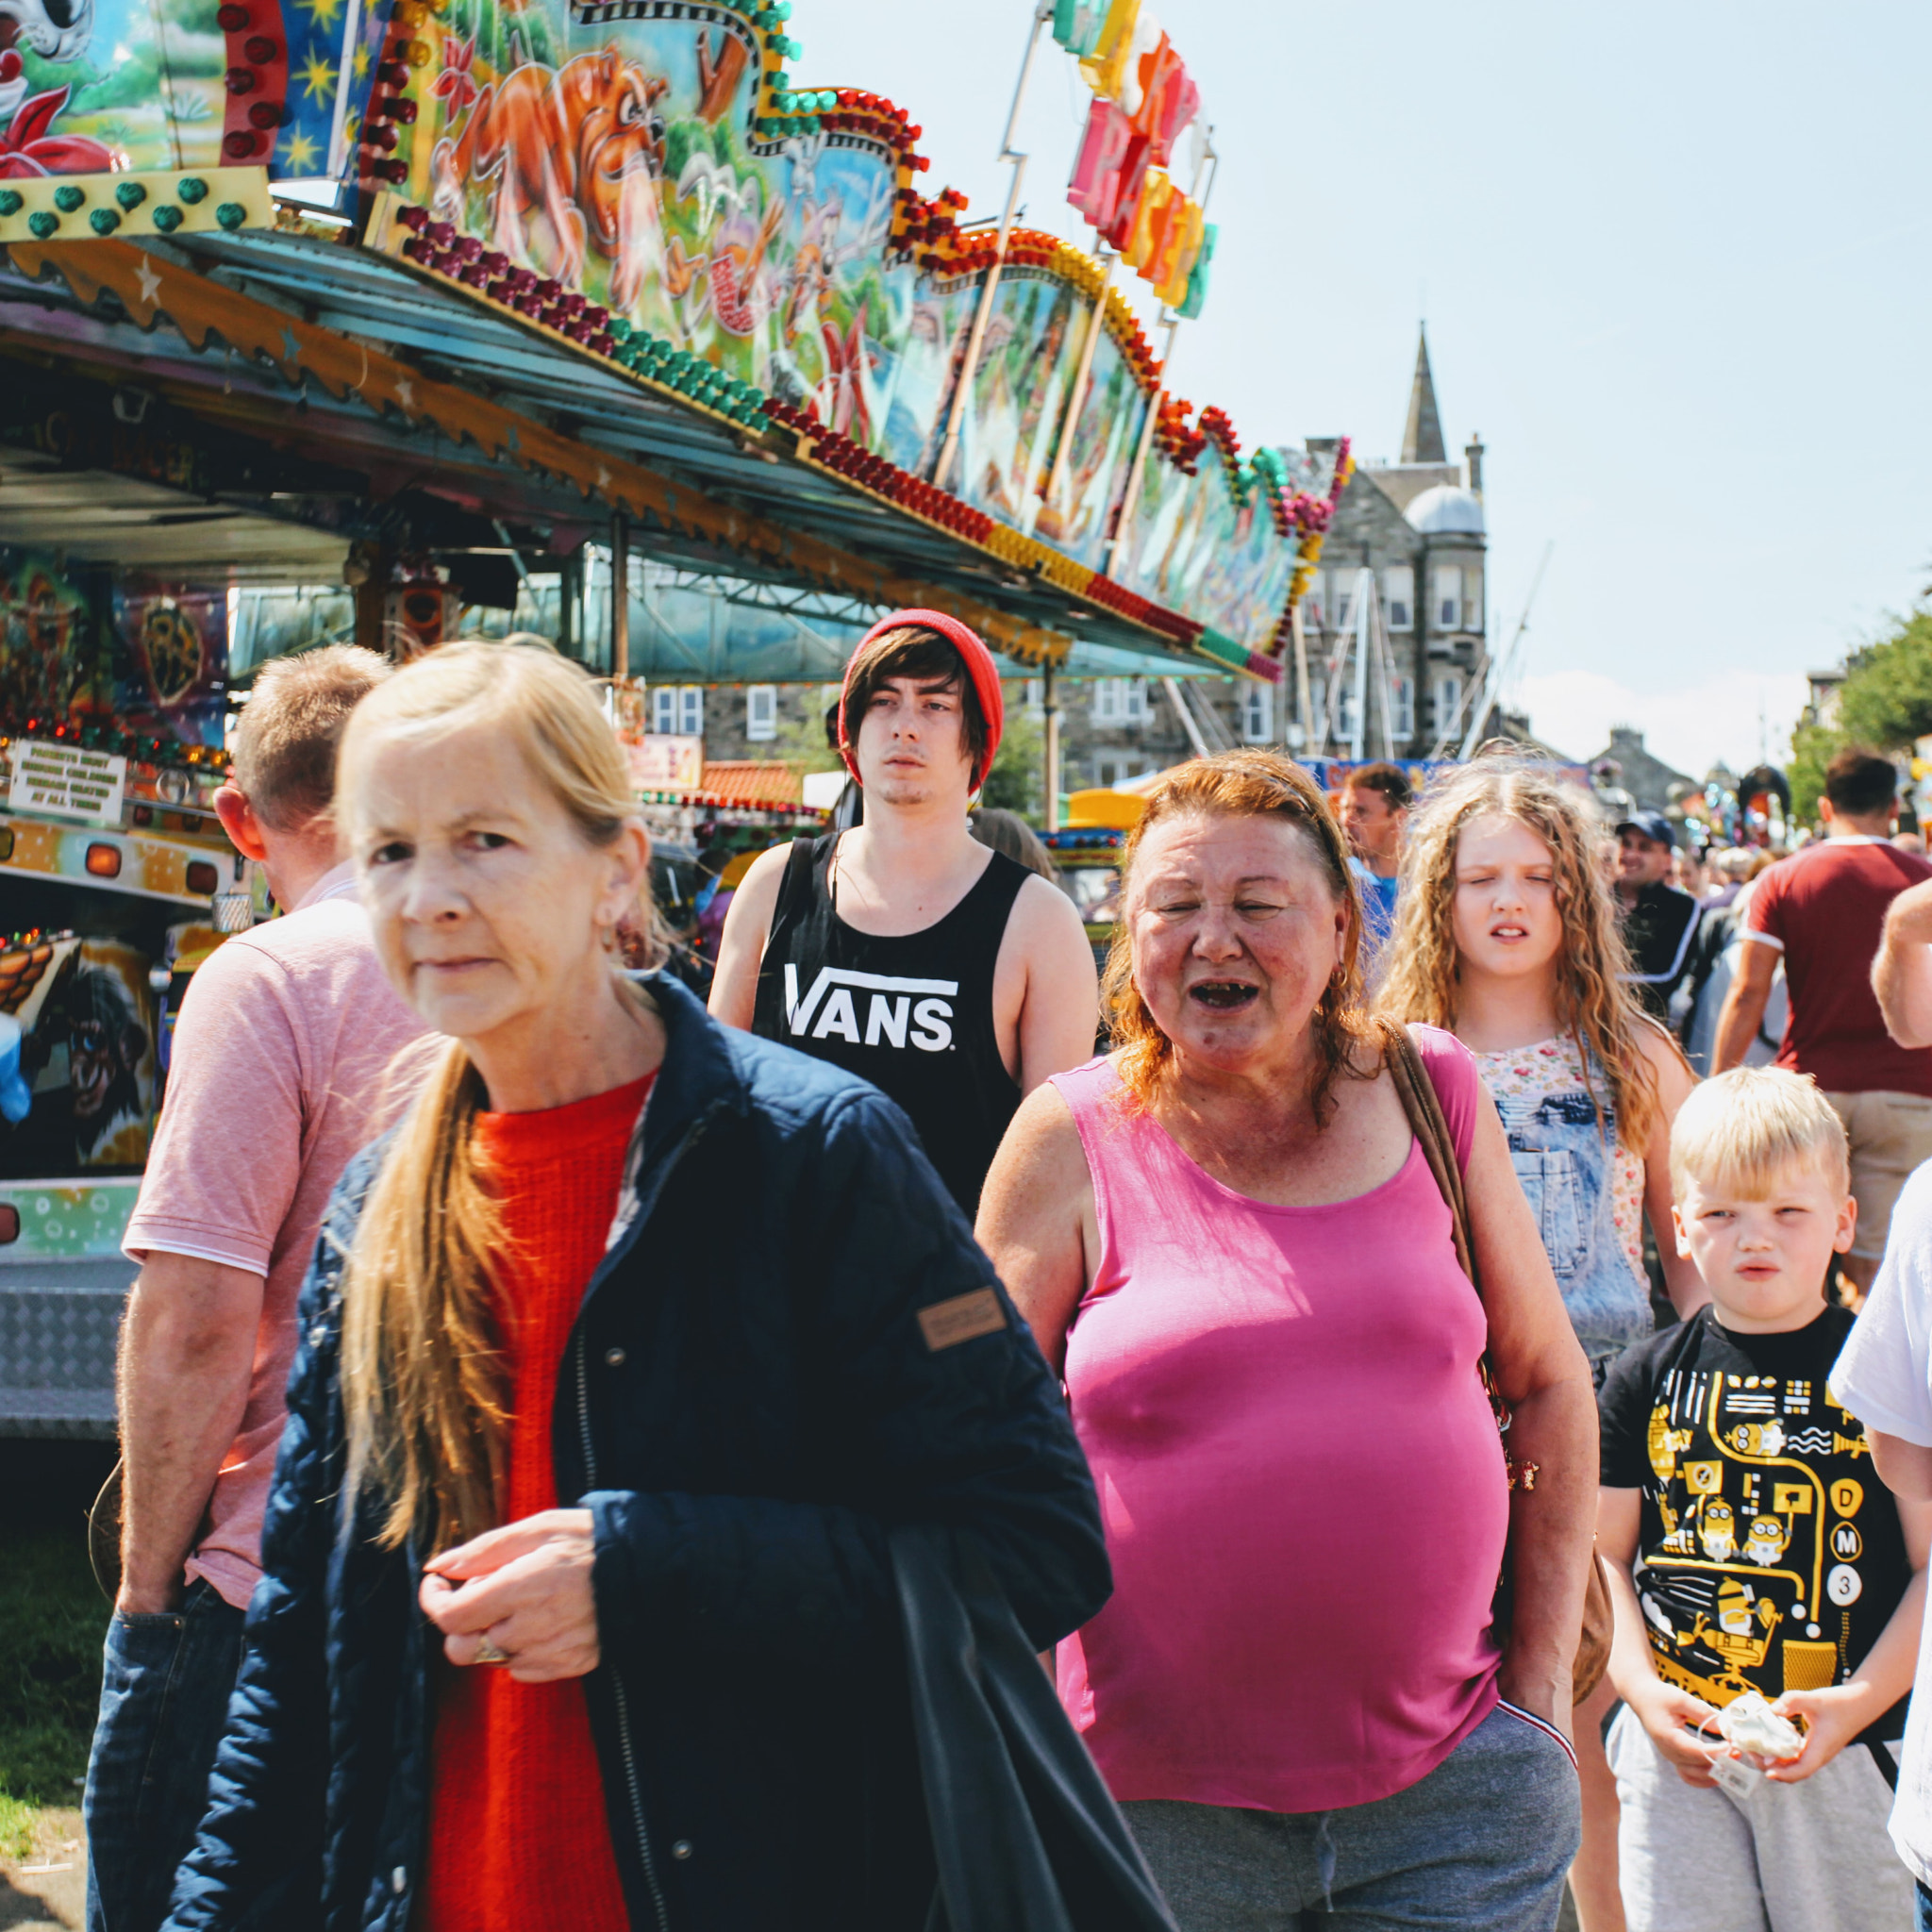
x: 67, y: 781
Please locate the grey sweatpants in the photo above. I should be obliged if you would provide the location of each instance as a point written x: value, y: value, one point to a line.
x: 1479, y: 1845
x: 1806, y: 1858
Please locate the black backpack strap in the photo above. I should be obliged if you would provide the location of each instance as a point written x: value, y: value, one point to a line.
x: 795, y: 888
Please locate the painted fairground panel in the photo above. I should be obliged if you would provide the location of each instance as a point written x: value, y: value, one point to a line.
x: 916, y: 379
x: 80, y: 646
x: 1019, y: 396
x: 55, y: 654
x: 614, y: 157
x: 107, y: 84
x: 1194, y: 548
x: 170, y: 661
x: 87, y: 86
x: 1077, y: 517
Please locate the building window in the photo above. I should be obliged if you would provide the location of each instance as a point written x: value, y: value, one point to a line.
x: 1119, y: 700
x: 1110, y: 773
x: 760, y: 712
x: 1402, y: 726
x: 1315, y: 601
x: 1033, y: 696
x: 1448, y: 596
x: 678, y: 709
x: 1257, y: 714
x: 1398, y: 596
x: 1448, y: 698
x: 1473, y: 596
x: 1344, y: 599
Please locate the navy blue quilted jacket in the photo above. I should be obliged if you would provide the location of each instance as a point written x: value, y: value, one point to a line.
x: 747, y: 1401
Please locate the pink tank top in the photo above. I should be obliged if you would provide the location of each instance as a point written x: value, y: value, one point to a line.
x: 1300, y: 1477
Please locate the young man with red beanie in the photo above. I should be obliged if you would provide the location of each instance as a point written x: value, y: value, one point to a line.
x: 904, y: 950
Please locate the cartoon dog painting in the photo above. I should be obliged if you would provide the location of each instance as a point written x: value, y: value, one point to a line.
x: 577, y: 154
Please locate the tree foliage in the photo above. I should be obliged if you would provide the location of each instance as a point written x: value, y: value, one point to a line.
x: 1886, y: 700
x: 1019, y: 767
x: 1885, y: 703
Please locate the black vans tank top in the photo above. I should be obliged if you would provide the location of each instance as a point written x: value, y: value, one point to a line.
x: 913, y: 1015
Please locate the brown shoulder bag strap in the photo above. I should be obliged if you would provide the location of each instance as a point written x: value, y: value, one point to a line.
x: 1430, y: 1127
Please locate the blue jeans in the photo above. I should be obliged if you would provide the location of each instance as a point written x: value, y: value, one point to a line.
x: 1924, y: 1909
x: 1481, y: 1845
x: 165, y: 1680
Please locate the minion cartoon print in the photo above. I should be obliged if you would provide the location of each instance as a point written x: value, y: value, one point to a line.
x: 1717, y: 1529
x: 1768, y: 1559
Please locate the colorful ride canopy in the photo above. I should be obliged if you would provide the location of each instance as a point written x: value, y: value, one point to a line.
x: 642, y: 177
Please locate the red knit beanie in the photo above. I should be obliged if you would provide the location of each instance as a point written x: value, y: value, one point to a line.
x: 979, y: 668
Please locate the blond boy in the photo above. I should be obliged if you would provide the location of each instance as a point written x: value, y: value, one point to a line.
x: 1752, y: 1548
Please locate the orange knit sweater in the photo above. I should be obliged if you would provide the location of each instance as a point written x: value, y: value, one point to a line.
x: 518, y: 1836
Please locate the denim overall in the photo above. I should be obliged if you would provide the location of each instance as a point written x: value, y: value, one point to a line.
x: 1562, y: 1157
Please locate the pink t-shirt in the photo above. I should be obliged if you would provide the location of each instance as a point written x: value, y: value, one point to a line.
x: 279, y: 1076
x: 1299, y: 1474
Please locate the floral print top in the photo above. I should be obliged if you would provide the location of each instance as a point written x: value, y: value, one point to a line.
x: 1526, y: 1077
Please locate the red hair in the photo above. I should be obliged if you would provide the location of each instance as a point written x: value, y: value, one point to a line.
x: 1240, y: 785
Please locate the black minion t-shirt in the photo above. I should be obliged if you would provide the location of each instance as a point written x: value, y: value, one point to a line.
x: 1769, y: 1554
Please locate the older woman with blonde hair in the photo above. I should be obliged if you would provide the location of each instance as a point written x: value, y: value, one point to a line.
x: 1230, y: 1242
x: 578, y: 1606
x: 1507, y: 935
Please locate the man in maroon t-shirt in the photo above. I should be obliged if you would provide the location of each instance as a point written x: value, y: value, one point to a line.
x: 1823, y: 909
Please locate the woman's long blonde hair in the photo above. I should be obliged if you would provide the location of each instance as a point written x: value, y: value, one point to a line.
x: 1594, y: 1006
x: 1241, y: 783
x: 425, y: 1384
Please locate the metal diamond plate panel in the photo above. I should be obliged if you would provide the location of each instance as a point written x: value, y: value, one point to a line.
x: 58, y: 1328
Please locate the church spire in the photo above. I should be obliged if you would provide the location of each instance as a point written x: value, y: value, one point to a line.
x: 1422, y: 442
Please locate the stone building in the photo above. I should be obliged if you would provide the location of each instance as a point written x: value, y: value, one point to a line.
x: 1418, y: 527
x: 1640, y: 774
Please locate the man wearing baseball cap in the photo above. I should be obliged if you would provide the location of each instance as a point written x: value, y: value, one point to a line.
x: 904, y: 950
x: 1659, y: 922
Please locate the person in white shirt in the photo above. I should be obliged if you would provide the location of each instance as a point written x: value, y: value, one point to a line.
x: 1883, y: 1378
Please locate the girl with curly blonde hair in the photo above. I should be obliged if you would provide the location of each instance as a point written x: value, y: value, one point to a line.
x: 1505, y: 935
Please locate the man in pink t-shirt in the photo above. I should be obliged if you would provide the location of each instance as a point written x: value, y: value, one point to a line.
x: 280, y: 1072
x: 1823, y: 911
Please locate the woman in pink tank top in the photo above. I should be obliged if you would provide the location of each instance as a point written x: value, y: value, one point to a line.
x: 1226, y: 1237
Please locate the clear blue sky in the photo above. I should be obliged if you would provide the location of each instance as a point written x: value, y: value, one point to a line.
x: 1677, y: 269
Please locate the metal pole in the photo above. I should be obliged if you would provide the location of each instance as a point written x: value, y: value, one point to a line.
x: 1050, y: 705
x: 1190, y: 723
x: 1210, y: 166
x: 1130, y: 497
x: 1083, y: 374
x: 339, y: 121
x: 1303, y: 702
x: 1385, y: 673
x: 983, y: 314
x: 620, y: 596
x: 1358, y: 738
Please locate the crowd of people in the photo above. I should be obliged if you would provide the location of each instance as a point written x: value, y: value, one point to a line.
x: 1424, y: 1426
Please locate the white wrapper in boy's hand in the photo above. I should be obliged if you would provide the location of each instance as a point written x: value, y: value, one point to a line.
x: 1750, y: 1725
